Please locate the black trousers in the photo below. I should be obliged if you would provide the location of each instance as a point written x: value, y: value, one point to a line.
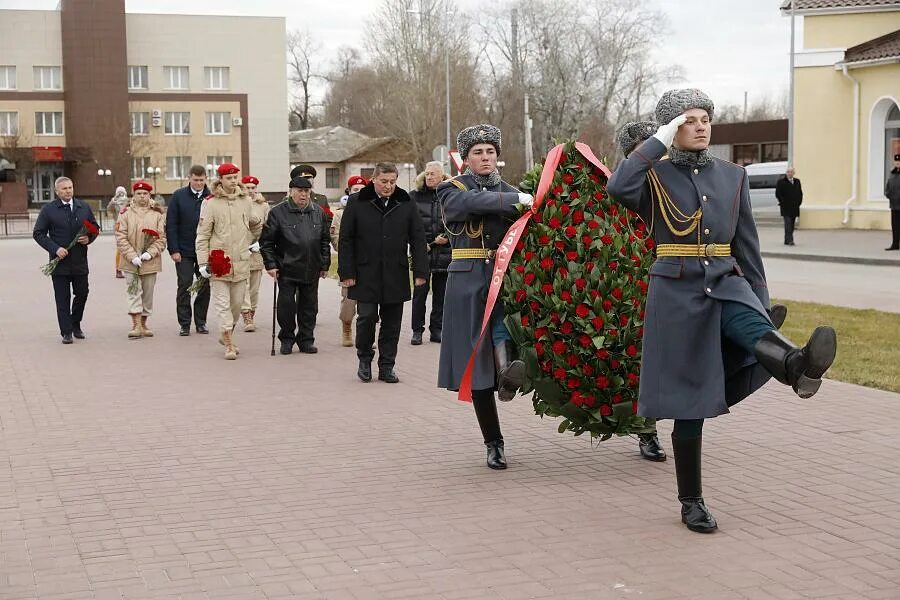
x: 420, y: 295
x: 789, y: 225
x: 69, y: 309
x: 298, y: 306
x: 186, y: 270
x: 895, y: 228
x: 367, y: 316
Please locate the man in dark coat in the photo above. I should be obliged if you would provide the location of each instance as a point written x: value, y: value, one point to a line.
x: 708, y: 339
x: 479, y: 207
x: 57, y: 225
x: 892, y: 193
x: 380, y: 229
x: 790, y: 196
x: 182, y: 219
x: 309, y: 172
x: 295, y: 246
x: 438, y: 246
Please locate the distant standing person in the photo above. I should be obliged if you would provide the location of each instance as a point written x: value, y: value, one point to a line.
x: 57, y: 225
x: 437, y: 243
x: 115, y: 206
x: 348, y: 306
x: 251, y: 299
x: 790, y: 196
x: 892, y: 192
x: 182, y: 218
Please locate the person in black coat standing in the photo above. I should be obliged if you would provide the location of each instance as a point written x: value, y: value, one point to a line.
x: 380, y: 229
x: 57, y: 225
x: 296, y: 250
x: 182, y: 219
x: 439, y: 254
x: 790, y: 196
x: 892, y: 193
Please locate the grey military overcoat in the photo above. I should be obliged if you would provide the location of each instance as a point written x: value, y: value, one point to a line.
x: 466, y: 211
x: 688, y: 370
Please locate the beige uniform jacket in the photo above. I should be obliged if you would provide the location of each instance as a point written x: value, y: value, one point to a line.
x: 228, y: 223
x: 131, y: 240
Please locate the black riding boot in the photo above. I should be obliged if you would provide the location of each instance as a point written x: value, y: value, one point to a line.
x: 800, y: 368
x: 650, y: 447
x: 510, y: 371
x: 778, y: 313
x: 694, y: 513
x: 489, y: 421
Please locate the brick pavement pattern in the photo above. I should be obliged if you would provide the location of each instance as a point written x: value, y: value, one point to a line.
x: 155, y: 469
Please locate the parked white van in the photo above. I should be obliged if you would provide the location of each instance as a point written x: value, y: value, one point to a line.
x: 767, y: 174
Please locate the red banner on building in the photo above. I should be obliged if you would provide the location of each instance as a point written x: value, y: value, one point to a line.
x: 47, y: 153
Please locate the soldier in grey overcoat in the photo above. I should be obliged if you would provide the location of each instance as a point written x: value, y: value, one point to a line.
x: 708, y: 339
x: 478, y: 208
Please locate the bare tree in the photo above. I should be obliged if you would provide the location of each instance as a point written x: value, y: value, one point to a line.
x: 301, y: 54
x: 764, y: 107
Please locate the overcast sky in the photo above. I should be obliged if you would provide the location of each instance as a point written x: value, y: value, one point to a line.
x: 725, y: 47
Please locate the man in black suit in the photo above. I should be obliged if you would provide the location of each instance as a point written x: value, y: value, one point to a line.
x: 57, y: 225
x: 182, y: 218
x: 790, y: 196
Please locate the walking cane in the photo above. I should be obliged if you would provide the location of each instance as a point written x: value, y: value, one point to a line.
x: 274, y: 309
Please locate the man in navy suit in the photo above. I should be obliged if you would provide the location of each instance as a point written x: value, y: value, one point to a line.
x: 57, y: 225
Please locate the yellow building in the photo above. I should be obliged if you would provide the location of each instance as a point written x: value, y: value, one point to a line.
x: 846, y: 109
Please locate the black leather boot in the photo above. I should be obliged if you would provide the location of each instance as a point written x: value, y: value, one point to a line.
x: 694, y: 513
x: 650, y: 447
x: 364, y: 372
x: 778, y: 313
x: 800, y: 368
x: 510, y: 371
x: 496, y: 458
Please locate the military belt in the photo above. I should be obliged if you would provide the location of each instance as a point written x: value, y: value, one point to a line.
x: 464, y: 253
x: 693, y: 250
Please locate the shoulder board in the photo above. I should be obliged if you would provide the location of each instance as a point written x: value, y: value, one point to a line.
x: 458, y: 184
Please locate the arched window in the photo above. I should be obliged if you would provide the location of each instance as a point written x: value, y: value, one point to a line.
x: 884, y: 143
x: 891, y: 139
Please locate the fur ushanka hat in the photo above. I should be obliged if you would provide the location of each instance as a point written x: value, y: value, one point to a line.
x: 675, y: 102
x: 633, y: 133
x: 477, y: 134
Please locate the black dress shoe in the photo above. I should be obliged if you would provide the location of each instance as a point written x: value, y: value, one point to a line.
x: 365, y: 371
x: 308, y: 349
x: 696, y: 516
x: 435, y: 337
x: 496, y: 458
x: 185, y: 331
x: 201, y: 328
x: 388, y: 376
x: 287, y: 347
x: 650, y: 447
x: 416, y: 338
x: 67, y: 338
x: 891, y: 248
x: 78, y: 333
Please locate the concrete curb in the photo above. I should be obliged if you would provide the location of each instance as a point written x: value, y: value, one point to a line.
x: 848, y: 260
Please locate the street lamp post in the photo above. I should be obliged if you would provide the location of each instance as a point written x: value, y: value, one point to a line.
x: 103, y: 173
x: 154, y: 172
x: 409, y: 169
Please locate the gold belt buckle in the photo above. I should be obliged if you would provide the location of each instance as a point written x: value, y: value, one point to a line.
x: 491, y: 254
x: 710, y: 250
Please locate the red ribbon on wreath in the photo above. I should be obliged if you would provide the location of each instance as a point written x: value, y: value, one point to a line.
x: 508, y: 247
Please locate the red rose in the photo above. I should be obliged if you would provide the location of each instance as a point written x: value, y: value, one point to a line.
x: 546, y: 263
x: 570, y: 231
x: 613, y: 265
x: 605, y: 410
x: 588, y: 400
x: 582, y: 310
x: 580, y: 283
x: 539, y: 348
x: 616, y: 398
x: 564, y: 209
x: 566, y: 296
x: 593, y: 225
x: 597, y: 322
x: 598, y: 195
x: 544, y: 240
x: 650, y: 244
x: 572, y: 360
x: 546, y: 366
x: 568, y: 179
x: 534, y: 305
x: 537, y: 217
x: 595, y: 294
x: 587, y: 370
x: 601, y: 382
x: 617, y: 293
x: 614, y: 364
x: 607, y: 305
x: 567, y: 327
x: 574, y: 195
x: 623, y: 320
x: 520, y: 268
x: 602, y: 354
x: 547, y: 288
x: 558, y: 347
x: 92, y: 229
x: 613, y: 209
x: 529, y: 279
x: 631, y: 350
x: 563, y: 272
x: 560, y: 245
x: 607, y: 240
x: 529, y: 255
x: 573, y: 383
x: 554, y: 318
x: 577, y: 398
x: 571, y: 255
x: 586, y: 240
x: 613, y: 333
x: 540, y: 332
x: 633, y: 380
x: 585, y: 341
x: 520, y: 245
x: 558, y: 189
x: 150, y: 232
x: 578, y: 217
x: 520, y: 295
x: 559, y: 374
x: 589, y: 267
x: 634, y: 407
x: 554, y: 223
x: 525, y: 320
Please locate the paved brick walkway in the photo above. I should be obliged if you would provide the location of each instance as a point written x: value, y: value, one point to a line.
x: 156, y: 469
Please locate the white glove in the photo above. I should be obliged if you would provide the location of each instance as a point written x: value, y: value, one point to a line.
x: 136, y: 261
x: 666, y: 133
x: 146, y: 256
x: 526, y: 199
x: 254, y: 247
x: 204, y: 272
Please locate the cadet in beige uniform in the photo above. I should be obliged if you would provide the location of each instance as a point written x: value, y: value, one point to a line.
x: 251, y: 299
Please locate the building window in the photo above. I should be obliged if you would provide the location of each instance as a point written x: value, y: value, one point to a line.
x: 140, y: 123
x: 48, y: 78
x: 367, y: 173
x: 48, y: 123
x: 218, y: 123
x: 332, y: 178
x: 139, y: 166
x: 217, y: 78
x: 178, y: 123
x: 214, y: 161
x: 176, y: 78
x: 9, y: 123
x: 774, y: 152
x: 137, y: 77
x: 7, y: 77
x: 177, y: 167
x: 745, y: 154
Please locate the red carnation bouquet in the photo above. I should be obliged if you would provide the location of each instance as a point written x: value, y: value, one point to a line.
x: 219, y: 265
x: 328, y: 214
x: 150, y: 236
x: 87, y: 228
x: 574, y: 297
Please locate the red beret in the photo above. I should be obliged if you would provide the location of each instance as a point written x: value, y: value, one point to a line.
x: 227, y: 169
x: 140, y: 184
x: 356, y: 180
x: 250, y: 179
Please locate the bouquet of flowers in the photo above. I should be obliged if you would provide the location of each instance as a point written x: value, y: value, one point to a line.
x: 574, y: 297
x: 87, y: 228
x: 150, y: 236
x: 219, y: 265
x: 329, y: 215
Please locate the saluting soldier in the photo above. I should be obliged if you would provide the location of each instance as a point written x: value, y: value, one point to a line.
x: 309, y: 172
x: 708, y: 338
x: 478, y: 207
